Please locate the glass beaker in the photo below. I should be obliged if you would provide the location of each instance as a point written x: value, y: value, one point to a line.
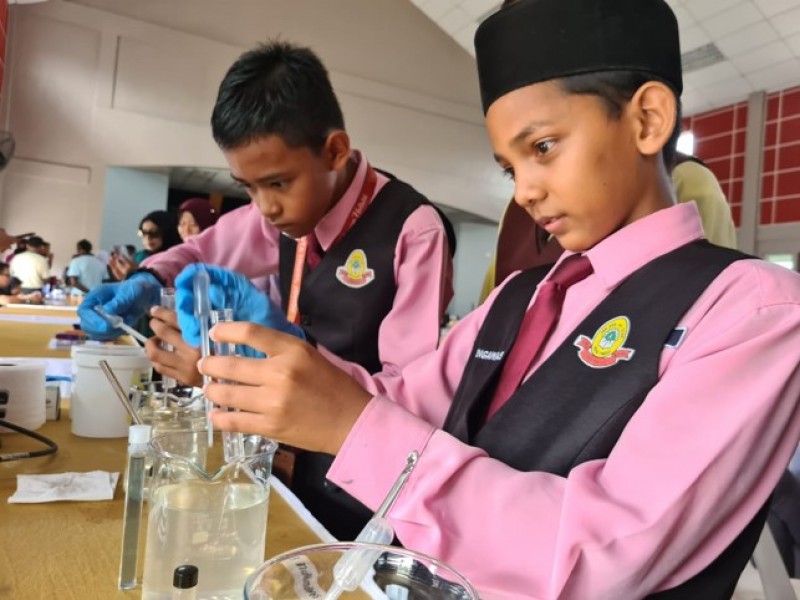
x: 396, y: 574
x: 216, y: 521
x: 182, y: 408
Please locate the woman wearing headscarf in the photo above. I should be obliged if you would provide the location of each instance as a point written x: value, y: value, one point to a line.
x: 158, y: 232
x: 195, y: 216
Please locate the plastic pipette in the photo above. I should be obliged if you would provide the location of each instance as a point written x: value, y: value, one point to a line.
x: 117, y: 323
x: 202, y: 311
x: 350, y: 570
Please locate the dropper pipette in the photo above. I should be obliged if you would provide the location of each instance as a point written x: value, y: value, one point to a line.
x: 202, y: 311
x: 118, y: 323
x: 350, y: 570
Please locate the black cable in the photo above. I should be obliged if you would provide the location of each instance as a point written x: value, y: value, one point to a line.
x: 52, y: 447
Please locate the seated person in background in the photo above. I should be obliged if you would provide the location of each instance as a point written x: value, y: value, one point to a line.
x: 363, y: 257
x: 158, y: 231
x: 85, y: 271
x: 523, y: 245
x: 10, y: 289
x: 609, y: 429
x: 195, y: 216
x: 30, y: 266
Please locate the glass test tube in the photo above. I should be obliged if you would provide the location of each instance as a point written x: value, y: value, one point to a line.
x: 138, y: 437
x: 168, y: 301
x: 232, y: 443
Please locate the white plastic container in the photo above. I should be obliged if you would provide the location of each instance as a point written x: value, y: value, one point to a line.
x: 95, y: 409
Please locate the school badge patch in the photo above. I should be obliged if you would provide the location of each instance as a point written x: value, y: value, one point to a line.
x: 605, y: 349
x: 354, y: 272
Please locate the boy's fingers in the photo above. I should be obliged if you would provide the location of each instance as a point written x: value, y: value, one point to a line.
x: 270, y: 342
x: 170, y: 317
x: 166, y: 332
x: 242, y: 397
x: 249, y: 371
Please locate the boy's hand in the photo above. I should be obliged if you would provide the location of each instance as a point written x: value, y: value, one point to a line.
x: 227, y: 289
x: 130, y: 299
x: 296, y: 396
x: 181, y: 363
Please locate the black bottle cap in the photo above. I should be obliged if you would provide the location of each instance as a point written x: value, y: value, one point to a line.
x: 184, y: 577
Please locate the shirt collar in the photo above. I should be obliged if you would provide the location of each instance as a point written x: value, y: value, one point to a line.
x: 633, y: 246
x: 334, y: 220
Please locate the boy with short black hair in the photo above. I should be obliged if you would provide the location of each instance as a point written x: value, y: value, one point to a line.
x: 624, y: 449
x: 363, y: 257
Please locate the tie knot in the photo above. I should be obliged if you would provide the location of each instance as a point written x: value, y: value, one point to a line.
x: 572, y: 270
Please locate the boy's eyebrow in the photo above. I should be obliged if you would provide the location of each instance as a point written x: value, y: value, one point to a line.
x: 265, y: 179
x: 518, y: 139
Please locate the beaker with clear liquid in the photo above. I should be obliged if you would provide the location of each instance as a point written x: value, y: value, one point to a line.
x: 214, y: 520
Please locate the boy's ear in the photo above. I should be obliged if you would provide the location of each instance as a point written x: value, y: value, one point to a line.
x: 654, y: 110
x: 337, y: 149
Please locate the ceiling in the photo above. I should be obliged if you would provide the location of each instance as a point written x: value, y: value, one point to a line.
x: 759, y: 42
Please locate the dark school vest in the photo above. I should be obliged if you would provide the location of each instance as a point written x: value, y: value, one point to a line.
x: 344, y: 312
x: 343, y: 308
x: 568, y: 412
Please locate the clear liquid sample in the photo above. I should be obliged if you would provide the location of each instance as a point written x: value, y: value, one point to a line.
x: 168, y: 301
x: 219, y: 527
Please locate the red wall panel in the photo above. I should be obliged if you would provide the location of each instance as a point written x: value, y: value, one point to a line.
x: 720, y: 138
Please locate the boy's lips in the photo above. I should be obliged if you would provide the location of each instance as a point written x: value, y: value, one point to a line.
x: 551, y: 224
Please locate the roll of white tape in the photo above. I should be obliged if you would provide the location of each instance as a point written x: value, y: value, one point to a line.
x: 22, y: 393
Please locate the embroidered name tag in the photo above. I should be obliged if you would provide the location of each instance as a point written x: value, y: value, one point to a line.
x: 492, y: 355
x: 354, y: 272
x: 605, y: 348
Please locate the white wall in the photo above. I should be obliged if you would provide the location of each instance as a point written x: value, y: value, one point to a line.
x: 87, y: 89
x: 474, y: 251
x: 129, y: 195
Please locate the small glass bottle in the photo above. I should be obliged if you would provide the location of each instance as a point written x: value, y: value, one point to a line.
x: 184, y: 582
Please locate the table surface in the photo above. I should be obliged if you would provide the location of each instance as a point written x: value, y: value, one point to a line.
x: 71, y: 550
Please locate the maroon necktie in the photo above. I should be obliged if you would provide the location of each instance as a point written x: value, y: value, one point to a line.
x: 536, y: 327
x: 313, y: 252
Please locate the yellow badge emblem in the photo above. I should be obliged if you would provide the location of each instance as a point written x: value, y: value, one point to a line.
x: 605, y: 348
x: 355, y: 273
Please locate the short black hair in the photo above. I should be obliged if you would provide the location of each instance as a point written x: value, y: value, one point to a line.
x: 35, y: 242
x: 276, y: 89
x: 85, y: 245
x: 615, y: 89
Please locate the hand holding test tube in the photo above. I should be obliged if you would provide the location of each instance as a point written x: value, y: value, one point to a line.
x: 202, y: 312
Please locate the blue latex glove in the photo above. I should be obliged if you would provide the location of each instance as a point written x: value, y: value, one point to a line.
x: 227, y: 289
x: 130, y: 299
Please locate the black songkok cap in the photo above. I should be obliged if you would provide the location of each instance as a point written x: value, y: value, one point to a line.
x: 536, y: 40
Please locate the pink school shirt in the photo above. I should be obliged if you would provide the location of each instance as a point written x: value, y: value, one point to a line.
x: 244, y: 241
x: 693, y: 466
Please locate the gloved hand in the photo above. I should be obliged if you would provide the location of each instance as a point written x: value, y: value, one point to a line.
x: 227, y: 289
x: 130, y: 299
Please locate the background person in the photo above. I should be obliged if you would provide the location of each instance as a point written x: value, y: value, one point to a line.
x: 195, y: 216
x: 10, y: 292
x: 85, y: 271
x: 31, y: 267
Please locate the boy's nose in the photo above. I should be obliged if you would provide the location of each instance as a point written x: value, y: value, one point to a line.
x: 528, y: 194
x: 267, y: 206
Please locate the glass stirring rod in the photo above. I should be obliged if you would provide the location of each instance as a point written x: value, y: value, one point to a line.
x: 350, y: 570
x: 202, y: 312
